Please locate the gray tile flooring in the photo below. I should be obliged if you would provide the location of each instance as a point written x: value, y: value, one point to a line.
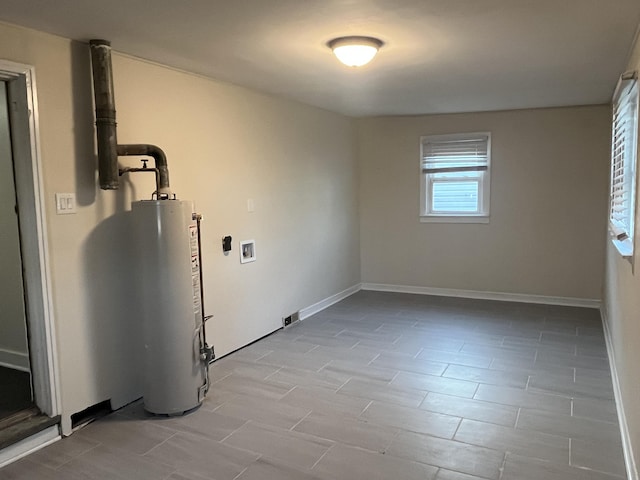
x: 379, y: 386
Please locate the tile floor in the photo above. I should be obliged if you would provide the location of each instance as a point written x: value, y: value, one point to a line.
x: 379, y: 386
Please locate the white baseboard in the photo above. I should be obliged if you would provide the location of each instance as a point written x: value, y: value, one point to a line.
x: 29, y: 445
x: 15, y: 360
x: 327, y: 302
x: 504, y: 297
x: 629, y: 459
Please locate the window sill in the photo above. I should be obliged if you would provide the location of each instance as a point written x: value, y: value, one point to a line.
x: 454, y: 219
x: 624, y: 247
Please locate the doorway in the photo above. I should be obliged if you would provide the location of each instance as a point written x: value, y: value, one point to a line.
x: 15, y: 372
x: 30, y: 399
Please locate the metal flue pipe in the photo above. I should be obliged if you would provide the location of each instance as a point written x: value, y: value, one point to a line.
x: 108, y: 148
x: 160, y: 159
x: 105, y: 114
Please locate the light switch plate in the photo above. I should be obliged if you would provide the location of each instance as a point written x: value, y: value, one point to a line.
x: 65, y: 203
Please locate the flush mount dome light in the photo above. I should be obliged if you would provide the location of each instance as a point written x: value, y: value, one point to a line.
x: 355, y: 51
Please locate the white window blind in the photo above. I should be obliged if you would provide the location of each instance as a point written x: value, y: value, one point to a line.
x: 623, y: 164
x: 455, y: 171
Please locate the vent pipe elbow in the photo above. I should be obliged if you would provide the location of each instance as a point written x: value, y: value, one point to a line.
x: 160, y: 159
x: 105, y: 114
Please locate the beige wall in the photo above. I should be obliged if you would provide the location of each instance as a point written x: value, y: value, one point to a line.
x: 622, y: 313
x: 225, y: 144
x: 13, y: 338
x: 548, y: 200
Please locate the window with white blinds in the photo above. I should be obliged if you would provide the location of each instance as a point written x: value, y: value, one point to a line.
x: 455, y: 176
x: 624, y: 150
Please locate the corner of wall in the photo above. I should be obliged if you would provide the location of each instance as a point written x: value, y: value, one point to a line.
x: 629, y: 457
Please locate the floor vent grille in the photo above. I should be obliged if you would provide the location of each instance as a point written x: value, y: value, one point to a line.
x: 291, y: 319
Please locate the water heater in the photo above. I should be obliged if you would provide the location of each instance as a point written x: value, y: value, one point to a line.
x: 167, y: 232
x: 174, y: 366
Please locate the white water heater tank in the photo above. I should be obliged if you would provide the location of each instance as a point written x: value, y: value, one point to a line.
x: 174, y: 372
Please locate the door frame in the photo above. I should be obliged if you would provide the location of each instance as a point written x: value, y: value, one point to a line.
x: 25, y: 139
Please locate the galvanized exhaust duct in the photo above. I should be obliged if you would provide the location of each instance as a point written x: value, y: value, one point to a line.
x: 108, y: 148
x: 105, y: 114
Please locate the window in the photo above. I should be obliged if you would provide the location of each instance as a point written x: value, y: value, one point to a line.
x: 624, y: 150
x: 455, y: 176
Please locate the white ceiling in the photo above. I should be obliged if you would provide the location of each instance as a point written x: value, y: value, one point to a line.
x: 439, y: 55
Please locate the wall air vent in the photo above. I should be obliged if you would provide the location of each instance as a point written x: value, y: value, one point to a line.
x: 291, y: 319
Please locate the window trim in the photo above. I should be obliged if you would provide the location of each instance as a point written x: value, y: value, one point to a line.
x: 627, y: 92
x: 484, y: 197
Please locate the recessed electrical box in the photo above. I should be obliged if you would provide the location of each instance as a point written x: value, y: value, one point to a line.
x: 65, y: 203
x: 247, y: 251
x: 226, y: 243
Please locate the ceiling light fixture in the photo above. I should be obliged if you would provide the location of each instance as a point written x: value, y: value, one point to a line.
x: 355, y: 51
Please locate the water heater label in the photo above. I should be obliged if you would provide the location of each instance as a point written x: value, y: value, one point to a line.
x: 195, y: 271
x: 193, y: 240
